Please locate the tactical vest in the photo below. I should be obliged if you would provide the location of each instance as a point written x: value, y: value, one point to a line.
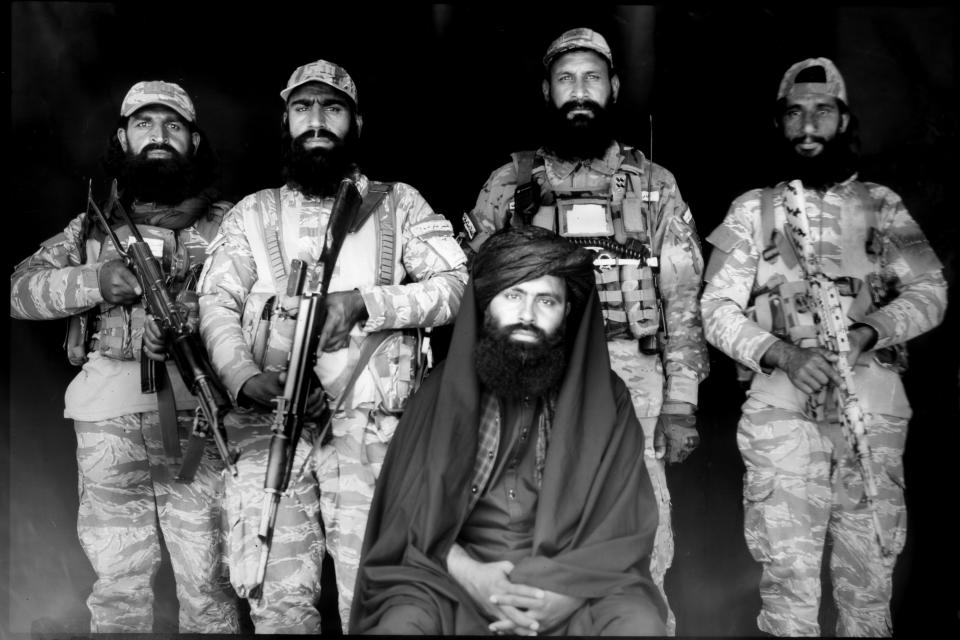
x: 779, y: 304
x: 370, y: 255
x: 615, y: 218
x: 116, y: 331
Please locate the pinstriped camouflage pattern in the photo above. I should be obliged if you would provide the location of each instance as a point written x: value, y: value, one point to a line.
x: 641, y: 373
x: 52, y: 283
x: 291, y: 589
x: 347, y: 468
x: 906, y: 263
x: 128, y: 499
x: 428, y: 254
x: 234, y: 277
x: 802, y: 481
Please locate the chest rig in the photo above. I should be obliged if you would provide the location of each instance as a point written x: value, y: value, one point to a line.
x: 116, y: 331
x: 780, y: 298
x: 615, y: 217
x: 398, y: 359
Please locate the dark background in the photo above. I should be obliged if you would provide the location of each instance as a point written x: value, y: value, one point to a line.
x: 447, y: 93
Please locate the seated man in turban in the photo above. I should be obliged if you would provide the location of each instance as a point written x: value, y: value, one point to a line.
x: 514, y: 497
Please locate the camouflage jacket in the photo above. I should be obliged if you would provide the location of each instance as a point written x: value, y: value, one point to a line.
x: 905, y: 261
x: 429, y: 263
x: 55, y: 283
x: 674, y: 240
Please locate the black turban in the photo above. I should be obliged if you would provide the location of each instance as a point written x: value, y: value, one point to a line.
x: 519, y: 254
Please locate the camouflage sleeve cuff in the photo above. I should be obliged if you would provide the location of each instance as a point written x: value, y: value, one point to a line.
x: 753, y: 360
x: 90, y: 284
x: 235, y: 380
x: 884, y: 326
x: 376, y: 309
x: 681, y: 389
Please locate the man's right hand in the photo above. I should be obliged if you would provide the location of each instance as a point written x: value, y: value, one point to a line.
x: 809, y: 369
x: 263, y: 388
x: 117, y: 283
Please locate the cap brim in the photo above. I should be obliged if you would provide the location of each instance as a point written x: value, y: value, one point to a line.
x: 286, y: 92
x: 173, y: 106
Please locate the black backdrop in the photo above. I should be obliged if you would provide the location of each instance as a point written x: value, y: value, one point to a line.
x: 447, y: 92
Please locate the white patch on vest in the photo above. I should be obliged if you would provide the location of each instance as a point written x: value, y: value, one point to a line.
x: 587, y: 219
x: 650, y: 196
x: 155, y: 244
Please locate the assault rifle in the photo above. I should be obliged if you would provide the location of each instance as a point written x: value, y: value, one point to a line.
x: 824, y: 300
x: 185, y: 345
x: 291, y: 411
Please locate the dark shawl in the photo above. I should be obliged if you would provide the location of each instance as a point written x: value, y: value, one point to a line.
x: 596, y: 514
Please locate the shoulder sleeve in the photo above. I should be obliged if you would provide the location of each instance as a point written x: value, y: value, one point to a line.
x: 52, y: 283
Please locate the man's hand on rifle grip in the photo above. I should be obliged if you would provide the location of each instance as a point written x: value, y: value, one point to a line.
x: 263, y: 388
x: 154, y: 344
x: 344, y: 309
x: 118, y: 285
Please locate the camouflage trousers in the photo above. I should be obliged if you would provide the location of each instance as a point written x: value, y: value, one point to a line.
x: 128, y: 500
x: 348, y: 467
x: 643, y: 376
x: 802, y: 481
x: 291, y: 588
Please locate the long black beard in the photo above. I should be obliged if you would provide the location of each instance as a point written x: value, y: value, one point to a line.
x: 163, y: 180
x: 513, y: 369
x: 582, y: 137
x: 317, y: 172
x: 836, y: 163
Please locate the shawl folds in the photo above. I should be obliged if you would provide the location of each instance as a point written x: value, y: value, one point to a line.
x: 596, y: 513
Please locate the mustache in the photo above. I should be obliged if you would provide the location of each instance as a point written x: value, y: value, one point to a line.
x: 799, y: 139
x: 508, y: 330
x: 317, y: 133
x: 157, y: 146
x: 585, y: 103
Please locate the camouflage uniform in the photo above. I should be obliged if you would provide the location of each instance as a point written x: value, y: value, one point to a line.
x: 673, y: 375
x: 128, y: 497
x: 339, y: 478
x: 801, y: 477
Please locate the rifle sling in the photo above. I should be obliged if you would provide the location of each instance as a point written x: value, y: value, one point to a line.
x: 167, y: 410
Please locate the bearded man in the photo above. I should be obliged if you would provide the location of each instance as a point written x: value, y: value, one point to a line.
x: 128, y: 498
x: 606, y: 195
x: 514, y: 497
x: 399, y: 269
x: 804, y: 481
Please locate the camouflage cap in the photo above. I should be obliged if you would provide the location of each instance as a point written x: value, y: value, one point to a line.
x: 832, y: 86
x: 581, y: 38
x: 321, y: 71
x: 168, y: 94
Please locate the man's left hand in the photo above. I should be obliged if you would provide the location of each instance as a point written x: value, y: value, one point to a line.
x: 154, y: 345
x: 549, y: 610
x: 344, y: 309
x: 678, y: 423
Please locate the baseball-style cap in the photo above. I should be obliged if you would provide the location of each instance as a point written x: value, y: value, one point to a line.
x: 581, y: 38
x: 829, y: 83
x: 168, y: 94
x: 322, y: 71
